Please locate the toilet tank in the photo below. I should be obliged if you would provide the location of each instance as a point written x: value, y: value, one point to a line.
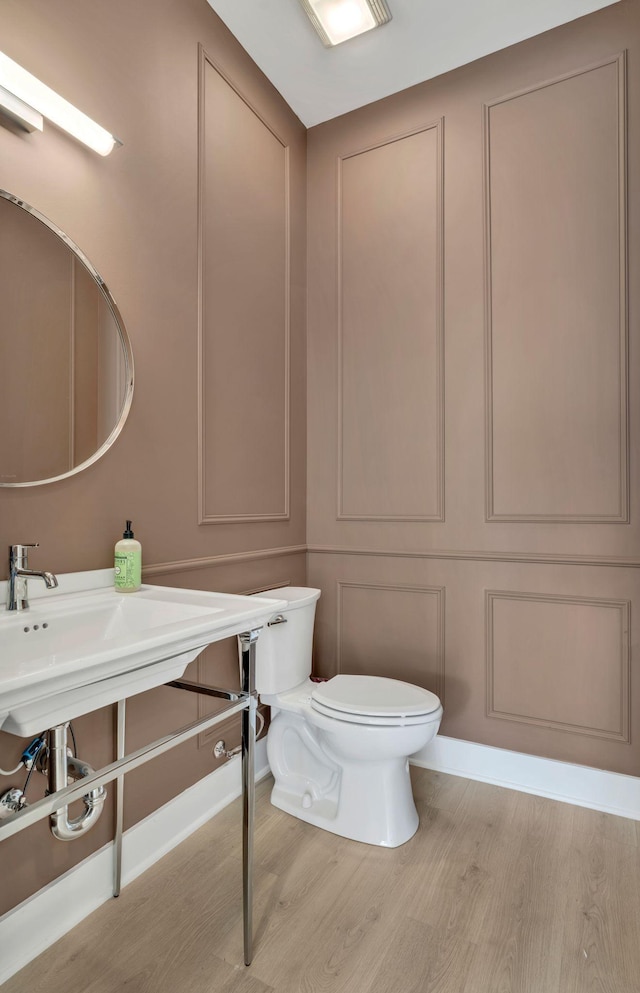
x: 283, y: 651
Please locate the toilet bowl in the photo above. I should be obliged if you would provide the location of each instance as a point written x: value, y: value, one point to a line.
x: 339, y: 750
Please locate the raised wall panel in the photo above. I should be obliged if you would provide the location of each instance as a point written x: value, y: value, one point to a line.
x: 244, y: 319
x: 390, y: 271
x: 559, y: 662
x: 557, y: 447
x: 395, y: 631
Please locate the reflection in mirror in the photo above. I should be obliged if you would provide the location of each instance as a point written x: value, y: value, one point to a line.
x: 67, y: 369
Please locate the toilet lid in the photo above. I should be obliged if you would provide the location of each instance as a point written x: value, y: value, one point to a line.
x: 374, y: 697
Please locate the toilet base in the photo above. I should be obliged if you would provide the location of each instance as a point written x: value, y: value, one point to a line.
x: 372, y: 803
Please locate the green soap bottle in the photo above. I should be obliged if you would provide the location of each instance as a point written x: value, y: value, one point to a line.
x: 128, y: 562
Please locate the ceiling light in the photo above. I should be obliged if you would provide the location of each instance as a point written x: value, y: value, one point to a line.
x: 20, y: 90
x: 338, y: 20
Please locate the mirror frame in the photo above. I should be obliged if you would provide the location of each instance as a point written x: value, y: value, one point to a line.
x: 124, y: 341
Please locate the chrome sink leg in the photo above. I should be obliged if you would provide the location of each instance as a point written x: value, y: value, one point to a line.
x: 247, y: 676
x: 117, y: 844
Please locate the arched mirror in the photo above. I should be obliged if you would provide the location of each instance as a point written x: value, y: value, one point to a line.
x: 66, y: 362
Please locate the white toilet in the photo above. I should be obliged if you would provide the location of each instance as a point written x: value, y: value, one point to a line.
x: 338, y: 750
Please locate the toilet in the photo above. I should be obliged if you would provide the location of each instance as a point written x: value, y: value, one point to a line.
x: 339, y: 750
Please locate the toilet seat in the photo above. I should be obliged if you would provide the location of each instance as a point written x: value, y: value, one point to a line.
x: 375, y: 700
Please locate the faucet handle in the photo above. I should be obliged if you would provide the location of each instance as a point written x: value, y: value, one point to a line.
x: 18, y: 553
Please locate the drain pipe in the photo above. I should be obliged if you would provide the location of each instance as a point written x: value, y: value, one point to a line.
x: 64, y: 769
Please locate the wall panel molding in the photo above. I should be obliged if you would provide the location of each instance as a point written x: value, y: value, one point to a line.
x: 215, y: 561
x: 622, y: 663
x: 535, y: 558
x: 621, y: 514
x: 437, y: 513
x: 428, y: 591
x: 279, y: 446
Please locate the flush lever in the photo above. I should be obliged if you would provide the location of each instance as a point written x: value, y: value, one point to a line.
x: 278, y: 619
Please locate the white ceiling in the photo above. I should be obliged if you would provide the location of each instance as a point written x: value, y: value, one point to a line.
x: 424, y: 39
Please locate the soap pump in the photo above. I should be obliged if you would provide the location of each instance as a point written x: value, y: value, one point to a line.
x: 128, y: 562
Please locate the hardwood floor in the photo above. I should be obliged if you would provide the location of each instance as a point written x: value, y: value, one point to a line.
x: 498, y: 892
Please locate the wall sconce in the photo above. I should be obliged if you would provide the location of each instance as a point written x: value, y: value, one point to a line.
x: 338, y: 20
x: 26, y: 101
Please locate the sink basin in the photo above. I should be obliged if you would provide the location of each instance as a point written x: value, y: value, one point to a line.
x: 71, y: 653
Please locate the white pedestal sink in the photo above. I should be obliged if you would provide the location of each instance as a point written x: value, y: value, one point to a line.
x: 84, y: 645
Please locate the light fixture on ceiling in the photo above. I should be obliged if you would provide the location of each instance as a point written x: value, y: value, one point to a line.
x: 338, y: 20
x: 26, y: 101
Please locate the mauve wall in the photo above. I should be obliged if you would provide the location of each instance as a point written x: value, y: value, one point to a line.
x: 473, y: 497
x: 473, y: 477
x: 234, y: 458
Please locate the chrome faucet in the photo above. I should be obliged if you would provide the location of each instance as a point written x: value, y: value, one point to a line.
x: 18, y: 575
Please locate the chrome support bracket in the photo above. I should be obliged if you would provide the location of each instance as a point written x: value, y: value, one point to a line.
x: 36, y: 811
x: 247, y: 641
x: 187, y: 684
x: 121, y: 715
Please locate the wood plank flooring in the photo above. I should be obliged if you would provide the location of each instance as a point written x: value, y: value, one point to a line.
x: 498, y: 892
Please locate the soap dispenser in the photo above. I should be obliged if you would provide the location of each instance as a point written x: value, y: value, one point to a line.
x: 128, y: 562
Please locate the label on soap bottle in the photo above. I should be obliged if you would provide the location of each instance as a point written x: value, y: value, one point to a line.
x: 128, y: 570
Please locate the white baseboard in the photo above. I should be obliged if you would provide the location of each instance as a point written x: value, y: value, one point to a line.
x: 578, y: 784
x: 31, y: 927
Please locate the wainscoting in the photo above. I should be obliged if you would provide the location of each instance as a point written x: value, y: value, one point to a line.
x: 534, y: 657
